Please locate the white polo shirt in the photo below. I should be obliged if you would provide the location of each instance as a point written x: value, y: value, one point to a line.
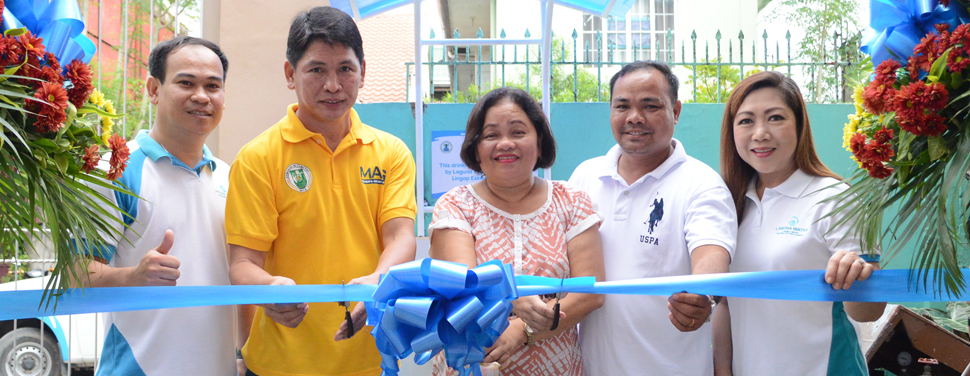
x: 649, y: 229
x: 191, y: 202
x: 784, y: 230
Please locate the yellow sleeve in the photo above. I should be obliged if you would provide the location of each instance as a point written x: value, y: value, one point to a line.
x: 398, y: 185
x: 251, y: 214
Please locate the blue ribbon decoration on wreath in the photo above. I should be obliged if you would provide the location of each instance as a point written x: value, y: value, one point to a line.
x: 898, y: 25
x: 58, y: 22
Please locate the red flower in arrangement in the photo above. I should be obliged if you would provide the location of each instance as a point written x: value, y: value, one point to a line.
x: 49, y: 74
x: 877, y: 97
x: 877, y: 151
x: 945, y: 3
x: 922, y: 125
x: 81, y: 88
x: 916, y: 107
x: 877, y: 169
x: 91, y: 158
x: 886, y: 71
x: 912, y: 67
x: 11, y: 52
x: 119, y: 156
x: 957, y: 61
x: 34, y: 46
x: 943, y: 40
x: 926, y: 52
x: 50, y: 115
x: 51, y: 61
x: 883, y: 136
x: 961, y: 36
x: 857, y: 144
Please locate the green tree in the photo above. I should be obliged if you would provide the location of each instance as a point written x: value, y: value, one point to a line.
x: 710, y: 83
x: 832, y: 33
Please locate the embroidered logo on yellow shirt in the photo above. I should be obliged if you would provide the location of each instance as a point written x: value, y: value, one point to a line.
x: 298, y: 177
x: 372, y: 175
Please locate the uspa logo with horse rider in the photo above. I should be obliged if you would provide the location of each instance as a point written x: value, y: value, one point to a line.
x: 298, y: 177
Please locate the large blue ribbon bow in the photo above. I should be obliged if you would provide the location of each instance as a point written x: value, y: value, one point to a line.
x: 899, y: 25
x: 427, y: 306
x: 58, y: 22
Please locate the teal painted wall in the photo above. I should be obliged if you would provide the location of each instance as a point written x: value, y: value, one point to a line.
x: 582, y: 131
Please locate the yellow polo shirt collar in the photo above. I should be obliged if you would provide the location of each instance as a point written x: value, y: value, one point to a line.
x: 295, y: 132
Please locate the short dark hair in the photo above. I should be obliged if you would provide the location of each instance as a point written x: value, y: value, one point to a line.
x: 158, y: 59
x: 476, y: 124
x: 327, y: 24
x: 672, y: 84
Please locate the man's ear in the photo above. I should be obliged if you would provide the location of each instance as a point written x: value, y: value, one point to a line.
x: 153, y: 85
x: 363, y: 69
x: 677, y: 108
x: 288, y: 72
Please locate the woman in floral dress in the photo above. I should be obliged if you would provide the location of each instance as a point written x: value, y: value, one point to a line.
x: 540, y: 227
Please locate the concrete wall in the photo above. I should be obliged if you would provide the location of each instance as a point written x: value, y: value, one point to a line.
x: 255, y: 43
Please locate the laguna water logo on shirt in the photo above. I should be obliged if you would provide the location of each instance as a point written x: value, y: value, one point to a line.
x: 791, y: 229
x: 372, y: 175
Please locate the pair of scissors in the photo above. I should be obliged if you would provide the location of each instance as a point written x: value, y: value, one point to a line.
x: 347, y: 318
x: 555, y: 308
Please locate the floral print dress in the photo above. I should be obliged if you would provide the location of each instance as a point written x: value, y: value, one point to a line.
x: 535, y: 244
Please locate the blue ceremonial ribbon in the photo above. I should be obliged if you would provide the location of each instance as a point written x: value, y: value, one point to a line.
x: 428, y: 306
x: 58, y: 22
x: 898, y: 25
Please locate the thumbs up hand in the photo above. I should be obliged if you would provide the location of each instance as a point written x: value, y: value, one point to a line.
x: 157, y: 268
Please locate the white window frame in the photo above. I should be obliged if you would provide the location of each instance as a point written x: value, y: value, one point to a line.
x: 629, y: 30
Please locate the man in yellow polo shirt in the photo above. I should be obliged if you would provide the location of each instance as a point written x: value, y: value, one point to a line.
x: 319, y: 198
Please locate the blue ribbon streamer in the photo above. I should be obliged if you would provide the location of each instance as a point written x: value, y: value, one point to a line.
x: 898, y: 25
x: 428, y: 306
x: 58, y: 22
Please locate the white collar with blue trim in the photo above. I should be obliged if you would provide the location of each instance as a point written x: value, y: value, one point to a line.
x: 156, y: 151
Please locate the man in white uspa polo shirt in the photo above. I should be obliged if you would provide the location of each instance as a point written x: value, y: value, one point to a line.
x: 176, y: 231
x: 664, y: 214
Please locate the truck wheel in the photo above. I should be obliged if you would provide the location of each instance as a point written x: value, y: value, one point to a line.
x: 21, y: 354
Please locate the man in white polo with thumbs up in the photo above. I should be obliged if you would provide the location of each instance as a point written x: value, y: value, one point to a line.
x: 175, y: 233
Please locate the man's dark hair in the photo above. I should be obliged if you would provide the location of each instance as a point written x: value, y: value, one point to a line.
x: 672, y: 84
x: 476, y: 125
x: 327, y: 24
x: 158, y: 59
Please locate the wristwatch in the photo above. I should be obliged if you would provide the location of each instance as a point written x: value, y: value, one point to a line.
x: 529, y: 334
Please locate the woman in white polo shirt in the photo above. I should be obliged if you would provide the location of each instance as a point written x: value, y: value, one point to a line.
x: 778, y: 183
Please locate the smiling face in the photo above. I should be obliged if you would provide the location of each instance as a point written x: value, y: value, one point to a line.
x: 191, y: 100
x: 326, y: 81
x: 643, y: 115
x: 766, y: 135
x: 509, y: 145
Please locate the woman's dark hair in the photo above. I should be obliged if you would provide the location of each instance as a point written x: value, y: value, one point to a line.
x: 737, y: 173
x: 476, y: 124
